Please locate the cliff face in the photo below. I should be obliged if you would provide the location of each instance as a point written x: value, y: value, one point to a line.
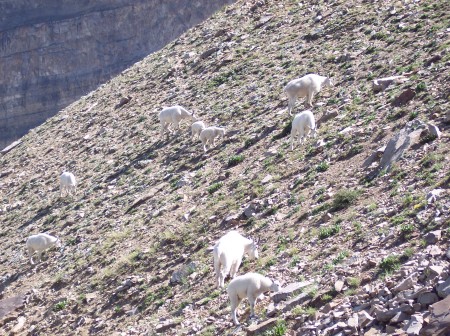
x: 53, y: 52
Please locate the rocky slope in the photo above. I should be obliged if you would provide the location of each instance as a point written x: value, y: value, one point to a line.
x: 53, y: 52
x: 360, y: 242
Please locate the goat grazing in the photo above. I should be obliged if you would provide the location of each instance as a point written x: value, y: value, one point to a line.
x: 228, y: 253
x: 173, y: 115
x: 209, y: 134
x: 197, y: 128
x: 68, y: 183
x: 302, y: 124
x: 250, y: 285
x: 306, y: 86
x: 40, y: 242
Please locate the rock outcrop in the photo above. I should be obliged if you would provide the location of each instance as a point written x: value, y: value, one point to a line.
x: 53, y: 53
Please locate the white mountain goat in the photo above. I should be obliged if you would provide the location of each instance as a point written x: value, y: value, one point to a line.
x: 302, y: 124
x: 197, y: 128
x: 40, y: 242
x: 68, y: 183
x: 306, y: 86
x: 250, y: 286
x: 209, y: 134
x: 173, y: 115
x: 228, y: 253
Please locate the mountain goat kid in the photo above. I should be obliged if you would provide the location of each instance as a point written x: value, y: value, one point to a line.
x: 68, y: 183
x: 40, y: 242
x: 250, y: 285
x: 197, y: 128
x: 228, y: 253
x: 173, y: 115
x: 209, y: 134
x: 302, y: 124
x: 306, y: 86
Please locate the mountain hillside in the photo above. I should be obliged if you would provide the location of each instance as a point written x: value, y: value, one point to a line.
x: 357, y: 233
x: 54, y: 51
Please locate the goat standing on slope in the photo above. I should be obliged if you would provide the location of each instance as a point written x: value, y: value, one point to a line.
x: 302, y: 124
x: 40, y: 242
x: 228, y: 253
x: 68, y: 183
x: 173, y: 115
x: 250, y: 286
x: 306, y: 86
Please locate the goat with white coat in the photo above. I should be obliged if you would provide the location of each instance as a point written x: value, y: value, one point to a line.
x: 306, y: 86
x: 173, y: 115
x: 250, y: 286
x: 197, y: 128
x: 68, y: 183
x: 40, y: 242
x: 228, y: 253
x: 302, y: 124
x: 209, y: 134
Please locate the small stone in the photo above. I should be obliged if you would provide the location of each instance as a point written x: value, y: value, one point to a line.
x: 443, y: 289
x: 364, y: 319
x: 434, y: 130
x: 427, y: 299
x: 434, y: 236
x: 439, y: 321
x: 404, y: 97
x: 259, y: 328
x: 266, y: 179
x: 404, y: 285
x: 414, y: 325
x: 289, y: 290
x: 338, y: 285
x: 19, y: 326
x: 433, y: 250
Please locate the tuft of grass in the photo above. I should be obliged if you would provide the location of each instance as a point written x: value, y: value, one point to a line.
x: 214, y: 187
x: 323, y: 166
x: 235, y: 160
x: 344, y: 198
x: 60, y: 305
x: 389, y: 264
x: 278, y: 330
x: 329, y: 231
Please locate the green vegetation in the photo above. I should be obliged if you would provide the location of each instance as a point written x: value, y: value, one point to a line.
x: 214, y: 187
x: 278, y: 330
x: 235, y: 160
x: 344, y: 198
x: 389, y: 264
x: 60, y: 305
x: 329, y: 231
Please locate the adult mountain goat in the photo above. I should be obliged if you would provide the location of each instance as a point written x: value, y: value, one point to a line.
x: 228, y: 253
x: 173, y: 115
x: 39, y: 243
x: 306, y: 86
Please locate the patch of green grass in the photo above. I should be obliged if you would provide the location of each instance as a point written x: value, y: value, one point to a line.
x: 278, y: 330
x: 354, y: 282
x: 214, y: 187
x: 235, y: 160
x: 329, y: 231
x: 60, y: 305
x: 389, y: 264
x: 421, y: 87
x: 323, y: 166
x: 344, y: 198
x: 340, y: 257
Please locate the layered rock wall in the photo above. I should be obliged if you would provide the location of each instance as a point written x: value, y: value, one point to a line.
x: 54, y: 51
